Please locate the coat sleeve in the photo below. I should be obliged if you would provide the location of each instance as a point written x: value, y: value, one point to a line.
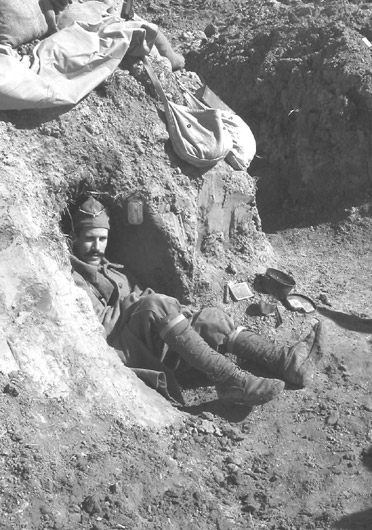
x: 107, y: 315
x: 110, y: 317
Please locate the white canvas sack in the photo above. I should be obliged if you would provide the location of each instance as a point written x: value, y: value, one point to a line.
x: 198, y: 134
x: 243, y: 147
x: 244, y: 143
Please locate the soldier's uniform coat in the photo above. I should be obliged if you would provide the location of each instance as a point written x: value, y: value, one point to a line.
x: 131, y: 318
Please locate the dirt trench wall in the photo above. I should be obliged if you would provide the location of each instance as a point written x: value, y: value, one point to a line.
x: 49, y: 333
x: 186, y: 243
x: 299, y: 74
x: 115, y: 145
x: 73, y: 417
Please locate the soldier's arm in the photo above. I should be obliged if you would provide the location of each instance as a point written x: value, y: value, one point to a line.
x: 59, y: 5
x: 107, y: 315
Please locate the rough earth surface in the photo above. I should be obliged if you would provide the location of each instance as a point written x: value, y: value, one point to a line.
x: 301, y: 462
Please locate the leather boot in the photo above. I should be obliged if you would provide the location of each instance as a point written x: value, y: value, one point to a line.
x: 232, y: 384
x: 294, y: 365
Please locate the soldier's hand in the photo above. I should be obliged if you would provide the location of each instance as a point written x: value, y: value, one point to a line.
x: 59, y: 5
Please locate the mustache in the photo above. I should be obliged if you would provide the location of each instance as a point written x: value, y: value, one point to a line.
x: 95, y: 253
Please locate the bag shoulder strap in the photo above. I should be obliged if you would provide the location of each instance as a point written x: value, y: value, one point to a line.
x: 192, y: 101
x: 172, y: 127
x: 186, y: 126
x: 155, y: 81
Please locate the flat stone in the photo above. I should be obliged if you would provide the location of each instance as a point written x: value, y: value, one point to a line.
x: 207, y: 416
x: 206, y: 427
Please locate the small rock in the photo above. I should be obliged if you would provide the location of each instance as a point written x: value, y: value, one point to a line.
x: 97, y: 526
x: 199, y: 35
x: 210, y: 30
x: 275, y: 476
x: 293, y: 19
x: 349, y: 456
x: 218, y: 476
x: 237, y: 478
x: 123, y: 521
x: 217, y: 432
x: 15, y: 436
x: 232, y: 468
x: 187, y: 35
x: 354, y: 425
x: 207, y: 416
x: 113, y: 488
x: 223, y: 524
x: 11, y: 390
x: 90, y: 505
x: 206, y: 427
x: 191, y: 420
x: 75, y: 518
x: 332, y: 418
x: 330, y: 11
x: 231, y: 268
x: 251, y: 507
x: 139, y: 147
x: 196, y: 495
x: 324, y: 299
x: 235, y: 460
x: 303, y: 11
x: 233, y: 433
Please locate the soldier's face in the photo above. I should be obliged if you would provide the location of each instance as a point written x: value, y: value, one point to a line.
x: 90, y: 245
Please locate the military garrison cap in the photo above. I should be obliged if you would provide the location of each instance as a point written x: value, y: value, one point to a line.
x: 91, y: 214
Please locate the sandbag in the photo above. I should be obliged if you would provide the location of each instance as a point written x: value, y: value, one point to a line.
x: 22, y: 21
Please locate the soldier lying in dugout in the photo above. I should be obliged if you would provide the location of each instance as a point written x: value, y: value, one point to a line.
x: 152, y: 331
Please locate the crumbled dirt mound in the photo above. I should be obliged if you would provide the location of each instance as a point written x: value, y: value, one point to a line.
x: 299, y: 74
x: 303, y: 461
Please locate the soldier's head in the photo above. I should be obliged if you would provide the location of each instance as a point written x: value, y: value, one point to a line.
x: 91, y: 226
